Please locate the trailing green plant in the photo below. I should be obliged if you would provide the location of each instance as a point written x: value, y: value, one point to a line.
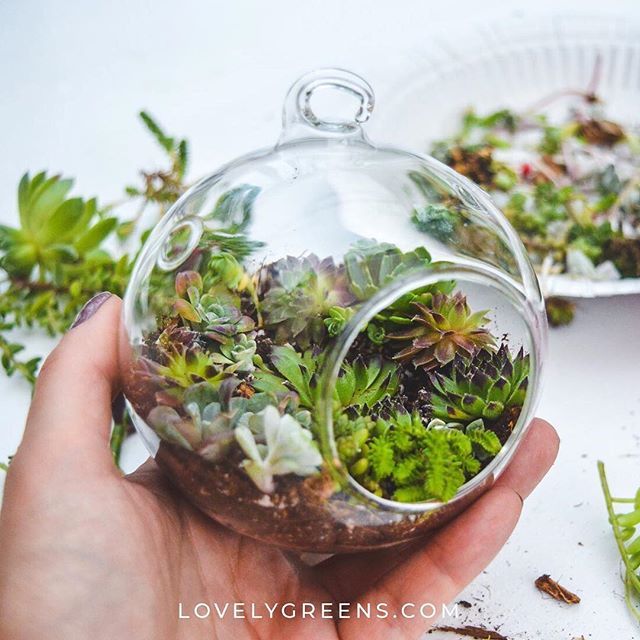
x: 12, y: 364
x: 483, y: 387
x: 626, y: 531
x: 162, y: 187
x: 439, y: 332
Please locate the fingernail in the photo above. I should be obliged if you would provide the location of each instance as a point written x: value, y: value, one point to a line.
x: 90, y: 308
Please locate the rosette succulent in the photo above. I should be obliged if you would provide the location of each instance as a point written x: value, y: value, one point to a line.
x: 276, y: 445
x: 482, y: 388
x: 439, y: 332
x: 187, y: 366
x: 237, y: 354
x: 218, y: 319
x: 207, y: 422
x: 54, y: 229
x: 372, y: 265
x: 299, y: 293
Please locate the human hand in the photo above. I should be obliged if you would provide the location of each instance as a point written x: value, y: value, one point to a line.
x: 86, y: 552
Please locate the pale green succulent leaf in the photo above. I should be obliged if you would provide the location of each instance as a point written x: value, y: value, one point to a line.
x: 92, y: 238
x: 60, y: 225
x: 44, y: 200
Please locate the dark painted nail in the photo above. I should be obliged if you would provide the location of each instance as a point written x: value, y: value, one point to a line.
x: 90, y: 308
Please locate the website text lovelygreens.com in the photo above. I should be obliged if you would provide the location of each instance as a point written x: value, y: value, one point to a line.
x: 314, y: 610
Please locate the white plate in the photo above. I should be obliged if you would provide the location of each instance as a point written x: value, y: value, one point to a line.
x: 514, y: 64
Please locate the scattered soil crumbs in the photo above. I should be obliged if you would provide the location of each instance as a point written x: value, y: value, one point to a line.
x: 480, y: 633
x: 557, y: 592
x: 465, y: 604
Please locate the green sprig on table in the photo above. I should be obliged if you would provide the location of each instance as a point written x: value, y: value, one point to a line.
x: 65, y: 249
x: 626, y: 530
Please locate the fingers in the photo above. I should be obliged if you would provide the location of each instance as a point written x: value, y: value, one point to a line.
x: 70, y: 416
x: 439, y: 570
x: 537, y: 453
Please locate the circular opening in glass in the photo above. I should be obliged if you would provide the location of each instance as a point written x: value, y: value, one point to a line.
x: 445, y: 401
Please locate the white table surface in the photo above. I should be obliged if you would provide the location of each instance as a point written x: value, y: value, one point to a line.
x: 74, y: 75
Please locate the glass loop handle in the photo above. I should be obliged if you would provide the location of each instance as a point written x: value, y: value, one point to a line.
x: 299, y: 119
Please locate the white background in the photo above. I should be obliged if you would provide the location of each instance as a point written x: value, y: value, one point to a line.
x: 73, y: 76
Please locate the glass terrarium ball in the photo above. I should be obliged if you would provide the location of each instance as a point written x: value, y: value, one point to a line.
x: 330, y: 345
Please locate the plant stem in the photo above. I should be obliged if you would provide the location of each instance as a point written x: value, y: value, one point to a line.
x: 117, y: 438
x: 629, y: 593
x: 632, y: 584
x: 4, y: 467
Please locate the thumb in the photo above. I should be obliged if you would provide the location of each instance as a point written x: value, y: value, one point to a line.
x: 70, y: 416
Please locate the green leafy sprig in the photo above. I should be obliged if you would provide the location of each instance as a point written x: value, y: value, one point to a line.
x: 626, y: 531
x: 65, y: 249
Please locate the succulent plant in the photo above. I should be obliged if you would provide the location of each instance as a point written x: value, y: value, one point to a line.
x: 351, y: 433
x: 298, y: 295
x: 337, y: 319
x: 54, y: 229
x: 372, y: 265
x: 364, y: 384
x: 188, y: 366
x: 207, y: 427
x: 483, y: 387
x: 560, y: 311
x: 236, y: 354
x: 276, y: 444
x: 296, y: 374
x: 217, y: 319
x: 438, y: 333
x: 435, y: 220
x: 225, y: 270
